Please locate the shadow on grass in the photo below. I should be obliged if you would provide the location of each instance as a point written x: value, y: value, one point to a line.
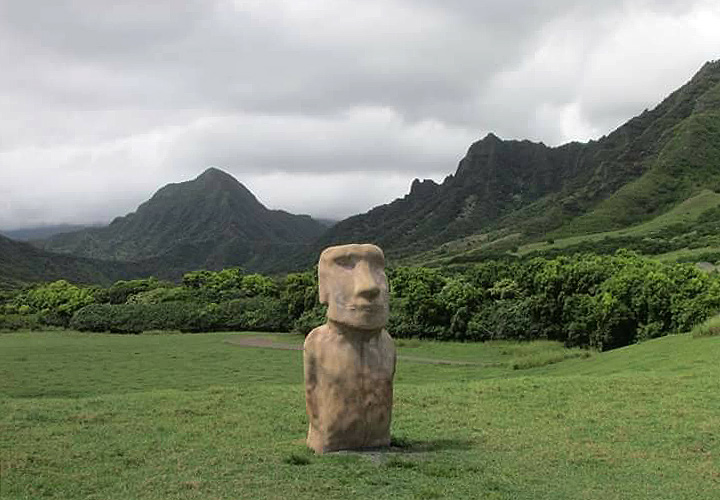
x: 403, y: 445
x: 389, y: 456
x: 407, y: 445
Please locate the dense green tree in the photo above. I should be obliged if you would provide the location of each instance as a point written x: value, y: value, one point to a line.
x: 56, y: 302
x: 600, y: 301
x: 120, y: 291
x: 299, y: 291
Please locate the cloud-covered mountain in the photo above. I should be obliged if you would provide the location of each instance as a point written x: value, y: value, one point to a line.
x: 526, y: 189
x: 646, y: 166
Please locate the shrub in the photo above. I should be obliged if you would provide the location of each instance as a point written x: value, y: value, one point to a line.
x: 310, y: 319
x: 709, y: 328
x: 300, y: 293
x: 228, y: 284
x: 584, y: 300
x: 254, y: 313
x: 136, y: 318
x: 120, y: 291
x: 418, y: 307
x: 13, y: 322
x: 161, y: 295
x: 503, y: 319
x: 55, y: 302
x: 580, y: 319
x: 616, y: 326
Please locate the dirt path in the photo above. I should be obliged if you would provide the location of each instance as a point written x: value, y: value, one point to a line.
x: 269, y: 344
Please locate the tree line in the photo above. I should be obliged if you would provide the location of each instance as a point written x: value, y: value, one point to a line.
x: 586, y: 300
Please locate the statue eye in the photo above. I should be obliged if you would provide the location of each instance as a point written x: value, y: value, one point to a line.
x: 345, y: 262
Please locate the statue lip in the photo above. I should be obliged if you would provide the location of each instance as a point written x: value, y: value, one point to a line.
x: 365, y: 307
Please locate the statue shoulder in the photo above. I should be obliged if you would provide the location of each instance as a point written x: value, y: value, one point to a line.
x: 315, y: 336
x: 386, y: 340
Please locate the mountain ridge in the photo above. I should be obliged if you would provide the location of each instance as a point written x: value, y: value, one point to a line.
x: 504, y: 193
x: 22, y: 263
x: 210, y: 221
x: 528, y: 187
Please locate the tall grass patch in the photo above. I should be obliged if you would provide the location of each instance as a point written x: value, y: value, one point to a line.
x: 707, y: 328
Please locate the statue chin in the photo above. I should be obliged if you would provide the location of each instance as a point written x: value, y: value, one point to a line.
x: 372, y: 318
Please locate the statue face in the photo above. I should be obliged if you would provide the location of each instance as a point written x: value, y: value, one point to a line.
x: 354, y: 286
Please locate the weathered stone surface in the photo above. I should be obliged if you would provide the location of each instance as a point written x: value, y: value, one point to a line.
x: 350, y: 360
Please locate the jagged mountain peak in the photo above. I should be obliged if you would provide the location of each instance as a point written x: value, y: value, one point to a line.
x: 212, y: 180
x: 490, y: 137
x: 216, y: 173
x: 529, y: 188
x: 423, y: 186
x: 214, y: 177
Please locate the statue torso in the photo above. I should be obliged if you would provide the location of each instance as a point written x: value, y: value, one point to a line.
x: 348, y: 382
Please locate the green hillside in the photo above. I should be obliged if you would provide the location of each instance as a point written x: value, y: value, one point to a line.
x: 509, y: 193
x: 689, y: 163
x: 686, y: 215
x: 210, y: 222
x: 690, y: 232
x: 673, y: 356
x: 22, y: 263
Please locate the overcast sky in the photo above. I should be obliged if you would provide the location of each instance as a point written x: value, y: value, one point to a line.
x: 326, y: 107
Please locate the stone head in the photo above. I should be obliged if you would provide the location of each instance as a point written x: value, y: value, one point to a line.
x: 353, y: 284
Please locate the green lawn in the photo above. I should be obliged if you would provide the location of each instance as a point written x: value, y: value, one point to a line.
x: 97, y: 416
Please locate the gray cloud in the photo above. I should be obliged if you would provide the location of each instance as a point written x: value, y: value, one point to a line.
x: 360, y: 140
x: 103, y: 102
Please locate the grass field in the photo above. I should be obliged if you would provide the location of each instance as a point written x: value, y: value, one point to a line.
x: 685, y: 213
x: 201, y: 417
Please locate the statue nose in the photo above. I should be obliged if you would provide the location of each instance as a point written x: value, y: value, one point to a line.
x: 366, y: 285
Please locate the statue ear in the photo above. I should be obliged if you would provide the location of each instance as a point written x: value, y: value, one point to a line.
x: 323, y: 266
x: 323, y: 294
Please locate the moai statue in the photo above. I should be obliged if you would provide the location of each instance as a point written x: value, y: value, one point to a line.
x: 350, y: 360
